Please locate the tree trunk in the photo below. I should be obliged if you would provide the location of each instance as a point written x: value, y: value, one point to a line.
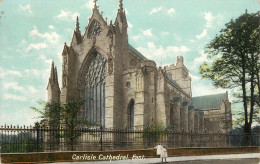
x: 258, y: 86
x: 246, y: 127
x: 252, y: 89
x: 252, y: 102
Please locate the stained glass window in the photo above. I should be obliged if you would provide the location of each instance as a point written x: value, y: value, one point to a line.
x: 95, y: 90
x: 94, y: 29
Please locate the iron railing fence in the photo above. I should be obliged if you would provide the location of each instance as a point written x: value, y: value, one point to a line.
x: 39, y: 139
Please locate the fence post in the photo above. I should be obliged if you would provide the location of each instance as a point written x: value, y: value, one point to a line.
x: 37, y: 136
x: 101, y: 138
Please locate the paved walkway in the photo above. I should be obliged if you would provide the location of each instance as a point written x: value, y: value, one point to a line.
x: 188, y: 159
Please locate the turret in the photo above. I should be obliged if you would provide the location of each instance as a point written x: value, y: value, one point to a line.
x: 76, y: 38
x: 53, y: 85
x: 121, y: 21
x: 180, y: 74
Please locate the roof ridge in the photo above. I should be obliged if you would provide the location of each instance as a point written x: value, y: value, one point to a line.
x: 210, y: 95
x: 208, y: 101
x: 135, y: 51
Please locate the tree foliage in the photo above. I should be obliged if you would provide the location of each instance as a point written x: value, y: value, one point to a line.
x: 236, y: 61
x: 50, y: 113
x: 55, y: 114
x: 152, y: 133
x: 67, y: 116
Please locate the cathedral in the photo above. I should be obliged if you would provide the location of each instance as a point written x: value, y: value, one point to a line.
x: 124, y: 89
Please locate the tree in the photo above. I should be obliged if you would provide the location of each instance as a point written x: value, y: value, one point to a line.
x: 152, y: 133
x: 66, y: 116
x: 71, y: 120
x: 236, y: 61
x: 50, y: 113
x: 240, y: 119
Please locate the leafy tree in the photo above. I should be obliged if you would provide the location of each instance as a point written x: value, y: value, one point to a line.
x: 50, y: 113
x: 236, y: 61
x: 66, y: 116
x: 71, y: 120
x: 152, y: 133
x: 240, y: 119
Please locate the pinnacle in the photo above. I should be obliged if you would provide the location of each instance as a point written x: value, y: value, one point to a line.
x: 95, y: 3
x: 77, y: 25
x: 120, y: 5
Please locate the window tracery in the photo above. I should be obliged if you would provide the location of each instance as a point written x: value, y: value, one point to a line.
x: 95, y: 90
x: 94, y: 29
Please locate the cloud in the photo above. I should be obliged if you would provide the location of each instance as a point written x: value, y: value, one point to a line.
x: 155, y: 10
x: 26, y: 8
x: 51, y: 37
x: 195, y: 78
x: 153, y: 52
x: 8, y: 96
x: 14, y: 86
x: 32, y: 89
x: 202, y: 35
x: 9, y: 72
x: 164, y: 33
x: 177, y: 37
x: 144, y: 33
x: 200, y: 88
x: 44, y: 59
x: 137, y: 37
x: 67, y: 15
x: 89, y: 5
x: 209, y: 19
x: 36, y: 46
x: 126, y: 12
x: 171, y: 11
x: 51, y: 27
x: 148, y: 32
x: 214, y: 21
x: 32, y: 72
x: 162, y: 10
x: 211, y: 22
x: 199, y: 60
x: 129, y: 25
x: 48, y: 38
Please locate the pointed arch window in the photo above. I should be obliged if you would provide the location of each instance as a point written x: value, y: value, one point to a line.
x: 131, y: 115
x: 95, y: 90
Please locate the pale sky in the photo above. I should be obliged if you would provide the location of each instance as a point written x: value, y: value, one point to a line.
x: 32, y: 34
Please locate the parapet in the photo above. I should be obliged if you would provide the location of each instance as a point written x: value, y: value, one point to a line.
x: 149, y: 63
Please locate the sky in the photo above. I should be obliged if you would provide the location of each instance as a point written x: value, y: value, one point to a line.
x: 33, y: 32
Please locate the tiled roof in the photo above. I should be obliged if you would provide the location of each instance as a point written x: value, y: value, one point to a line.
x: 208, y: 101
x: 131, y: 48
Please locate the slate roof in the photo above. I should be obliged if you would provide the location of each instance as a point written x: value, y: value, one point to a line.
x: 131, y: 48
x: 208, y: 101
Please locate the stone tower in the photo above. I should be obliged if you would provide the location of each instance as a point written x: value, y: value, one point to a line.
x: 53, y: 85
x: 180, y: 74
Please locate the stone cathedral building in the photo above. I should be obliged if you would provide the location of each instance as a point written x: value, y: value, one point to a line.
x: 124, y: 89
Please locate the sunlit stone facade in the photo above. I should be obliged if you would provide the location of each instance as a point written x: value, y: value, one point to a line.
x: 123, y: 88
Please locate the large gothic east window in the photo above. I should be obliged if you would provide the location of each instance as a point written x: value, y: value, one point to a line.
x: 95, y: 90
